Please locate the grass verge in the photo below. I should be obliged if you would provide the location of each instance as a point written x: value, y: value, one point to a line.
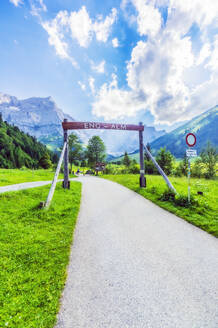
x: 13, y: 176
x: 34, y: 253
x: 203, y: 213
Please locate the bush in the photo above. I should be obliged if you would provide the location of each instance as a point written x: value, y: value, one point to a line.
x: 168, y: 195
x: 182, y: 200
x: 197, y: 169
x: 134, y: 169
x: 178, y: 200
x: 150, y: 168
x: 109, y: 170
x: 177, y: 172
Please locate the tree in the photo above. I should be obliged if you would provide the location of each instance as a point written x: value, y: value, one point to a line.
x: 165, y: 160
x: 95, y: 151
x: 209, y: 157
x: 126, y: 160
x: 45, y: 161
x: 75, y: 149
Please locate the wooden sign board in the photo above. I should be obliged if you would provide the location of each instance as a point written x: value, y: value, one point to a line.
x: 96, y: 125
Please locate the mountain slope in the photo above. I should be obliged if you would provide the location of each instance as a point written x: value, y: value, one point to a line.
x: 204, y: 126
x: 40, y: 117
x: 18, y: 149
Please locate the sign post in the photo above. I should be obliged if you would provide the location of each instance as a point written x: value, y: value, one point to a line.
x: 142, y: 180
x: 190, y: 141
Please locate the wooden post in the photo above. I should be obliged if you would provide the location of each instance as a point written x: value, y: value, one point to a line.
x: 142, y: 180
x: 160, y: 170
x: 66, y: 160
x: 53, y: 185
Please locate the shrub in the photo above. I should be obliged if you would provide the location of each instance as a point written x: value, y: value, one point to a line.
x: 182, y: 200
x: 177, y: 172
x: 150, y: 168
x: 134, y: 169
x: 168, y: 195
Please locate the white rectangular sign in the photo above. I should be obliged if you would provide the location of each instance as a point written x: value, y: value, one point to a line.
x: 191, y: 152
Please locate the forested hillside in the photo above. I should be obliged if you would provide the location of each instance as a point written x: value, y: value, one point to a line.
x: 203, y: 126
x: 18, y: 149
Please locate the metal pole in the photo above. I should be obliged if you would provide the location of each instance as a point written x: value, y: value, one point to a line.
x: 160, y: 170
x: 66, y: 160
x: 53, y: 185
x: 189, y: 174
x: 142, y: 180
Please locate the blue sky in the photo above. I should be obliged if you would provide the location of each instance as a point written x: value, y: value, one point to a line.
x: 129, y: 60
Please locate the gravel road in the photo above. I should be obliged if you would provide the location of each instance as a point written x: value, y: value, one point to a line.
x: 136, y: 265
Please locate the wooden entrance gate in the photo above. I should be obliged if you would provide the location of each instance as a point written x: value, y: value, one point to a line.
x: 107, y: 126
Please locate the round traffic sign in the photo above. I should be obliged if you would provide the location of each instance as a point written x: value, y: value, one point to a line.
x: 190, y: 139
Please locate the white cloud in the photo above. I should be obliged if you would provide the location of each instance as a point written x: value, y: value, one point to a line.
x: 54, y: 29
x: 102, y: 28
x: 37, y: 7
x: 81, y: 26
x: 157, y: 73
x: 98, y: 68
x: 92, y: 84
x: 115, y: 43
x: 148, y: 19
x: 17, y: 2
x: 77, y: 25
x: 82, y: 85
x: 112, y: 102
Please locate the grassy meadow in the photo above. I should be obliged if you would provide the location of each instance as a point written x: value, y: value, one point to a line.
x: 203, y: 211
x: 13, y: 176
x: 34, y: 252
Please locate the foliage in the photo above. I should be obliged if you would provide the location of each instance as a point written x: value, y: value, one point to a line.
x: 18, y: 149
x: 150, y: 168
x: 126, y: 160
x: 203, y: 210
x: 35, y: 248
x: 197, y: 169
x: 95, y: 151
x: 133, y: 168
x: 165, y: 160
x: 45, y: 161
x: 168, y: 195
x: 75, y: 149
x: 209, y: 156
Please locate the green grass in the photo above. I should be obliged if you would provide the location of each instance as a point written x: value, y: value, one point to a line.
x: 204, y: 215
x: 34, y: 252
x: 13, y: 176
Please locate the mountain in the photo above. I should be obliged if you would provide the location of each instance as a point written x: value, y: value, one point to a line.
x: 40, y: 117
x: 205, y: 128
x: 18, y: 149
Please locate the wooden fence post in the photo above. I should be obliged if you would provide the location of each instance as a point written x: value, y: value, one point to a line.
x: 66, y: 160
x: 142, y: 180
x: 169, y: 184
x: 53, y: 185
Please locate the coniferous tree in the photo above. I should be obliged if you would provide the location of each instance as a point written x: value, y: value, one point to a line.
x: 126, y: 160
